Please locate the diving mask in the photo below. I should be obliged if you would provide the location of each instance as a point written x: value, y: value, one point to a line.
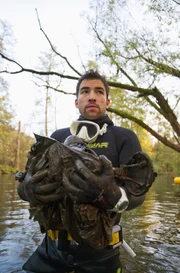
x: 87, y: 130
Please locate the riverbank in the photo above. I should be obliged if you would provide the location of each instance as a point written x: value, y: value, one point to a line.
x: 6, y: 169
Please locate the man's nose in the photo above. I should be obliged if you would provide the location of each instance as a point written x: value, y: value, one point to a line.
x: 92, y: 96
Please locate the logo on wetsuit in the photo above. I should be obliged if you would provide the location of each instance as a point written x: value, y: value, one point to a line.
x: 98, y: 145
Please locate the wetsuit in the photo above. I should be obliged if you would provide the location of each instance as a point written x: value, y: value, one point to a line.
x: 118, y: 145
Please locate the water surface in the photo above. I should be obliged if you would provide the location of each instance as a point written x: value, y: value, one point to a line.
x: 152, y: 230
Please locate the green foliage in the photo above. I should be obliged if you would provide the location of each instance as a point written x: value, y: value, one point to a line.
x: 8, y: 135
x: 121, y: 100
x: 8, y: 146
x: 46, y: 97
x: 137, y: 44
x: 5, y: 108
x: 5, y: 169
x: 166, y: 160
x: 139, y: 49
x: 127, y: 102
x: 6, y: 36
x: 92, y: 65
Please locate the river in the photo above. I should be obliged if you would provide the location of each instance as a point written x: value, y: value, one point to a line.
x: 152, y: 230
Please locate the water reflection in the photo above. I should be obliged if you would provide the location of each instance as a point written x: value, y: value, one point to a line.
x: 152, y: 230
x: 18, y: 235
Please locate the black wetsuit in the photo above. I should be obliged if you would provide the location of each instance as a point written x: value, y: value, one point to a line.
x: 118, y: 145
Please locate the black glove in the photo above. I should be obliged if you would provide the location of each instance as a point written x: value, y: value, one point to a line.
x: 41, y: 180
x: 38, y: 188
x: 87, y: 187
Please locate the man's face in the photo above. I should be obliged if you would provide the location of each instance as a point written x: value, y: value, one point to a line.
x: 92, y: 101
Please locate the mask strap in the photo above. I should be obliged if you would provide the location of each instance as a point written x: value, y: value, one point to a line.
x: 103, y: 130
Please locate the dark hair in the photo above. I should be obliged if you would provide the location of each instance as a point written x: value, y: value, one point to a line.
x: 91, y: 74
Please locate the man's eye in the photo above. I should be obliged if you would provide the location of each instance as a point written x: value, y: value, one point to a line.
x: 85, y: 91
x: 100, y: 92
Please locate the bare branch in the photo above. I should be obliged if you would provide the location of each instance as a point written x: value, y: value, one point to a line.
x: 177, y: 2
x: 54, y: 50
x: 142, y: 91
x: 170, y: 116
x: 164, y: 106
x: 178, y: 100
x: 62, y: 91
x: 83, y: 65
x: 162, y: 102
x: 10, y: 60
x: 110, y: 55
x: 163, y: 68
x: 33, y: 71
x: 54, y: 88
x: 154, y: 105
x: 146, y: 127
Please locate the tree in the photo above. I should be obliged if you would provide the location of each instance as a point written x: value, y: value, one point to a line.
x: 139, y: 57
x: 6, y: 38
x: 47, y: 63
x: 11, y: 156
x: 170, y: 160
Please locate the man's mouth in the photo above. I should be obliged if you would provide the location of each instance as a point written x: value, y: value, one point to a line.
x: 91, y: 106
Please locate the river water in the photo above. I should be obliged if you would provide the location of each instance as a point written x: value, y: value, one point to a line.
x: 152, y: 230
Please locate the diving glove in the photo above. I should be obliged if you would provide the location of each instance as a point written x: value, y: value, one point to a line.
x: 98, y: 189
x: 37, y: 188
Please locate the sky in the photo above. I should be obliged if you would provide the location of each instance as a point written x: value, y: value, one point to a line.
x: 65, y: 25
x: 62, y: 21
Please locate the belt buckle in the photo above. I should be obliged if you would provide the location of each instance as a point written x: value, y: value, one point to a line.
x: 116, y: 236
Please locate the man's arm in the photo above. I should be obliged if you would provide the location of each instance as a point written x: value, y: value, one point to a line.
x: 130, y: 147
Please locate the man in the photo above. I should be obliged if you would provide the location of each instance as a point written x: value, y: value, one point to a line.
x: 112, y: 144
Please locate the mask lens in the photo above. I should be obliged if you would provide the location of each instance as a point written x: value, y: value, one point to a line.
x: 91, y: 129
x: 86, y: 130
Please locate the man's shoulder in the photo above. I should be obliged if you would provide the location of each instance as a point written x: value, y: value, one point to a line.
x: 127, y: 137
x: 61, y: 134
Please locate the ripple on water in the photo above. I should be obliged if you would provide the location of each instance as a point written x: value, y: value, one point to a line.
x: 152, y: 230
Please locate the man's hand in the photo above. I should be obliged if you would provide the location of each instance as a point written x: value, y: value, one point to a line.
x: 87, y: 187
x: 37, y: 188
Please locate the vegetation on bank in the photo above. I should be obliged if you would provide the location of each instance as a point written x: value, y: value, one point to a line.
x: 6, y: 169
x: 14, y: 146
x: 165, y: 160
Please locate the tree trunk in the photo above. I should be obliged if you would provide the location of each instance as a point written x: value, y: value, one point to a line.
x: 17, y: 155
x: 46, y: 112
